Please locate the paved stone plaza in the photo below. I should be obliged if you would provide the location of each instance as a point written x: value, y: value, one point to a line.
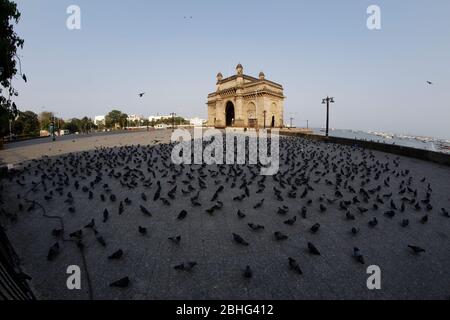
x: 309, y: 176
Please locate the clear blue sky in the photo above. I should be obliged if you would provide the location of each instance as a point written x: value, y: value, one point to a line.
x: 314, y: 48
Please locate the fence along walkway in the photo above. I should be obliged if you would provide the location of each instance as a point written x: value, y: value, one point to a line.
x: 13, y: 282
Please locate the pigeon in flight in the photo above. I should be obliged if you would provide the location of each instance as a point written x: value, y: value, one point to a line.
x: 141, y: 94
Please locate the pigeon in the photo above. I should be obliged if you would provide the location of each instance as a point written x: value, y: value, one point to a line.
x: 142, y: 230
x: 53, y: 252
x: 57, y: 232
x: 145, y: 211
x: 238, y: 239
x: 77, y: 234
x: 187, y: 266
x: 175, y: 240
x: 101, y: 240
x: 90, y: 225
x: 315, y: 228
x: 280, y: 236
x: 373, y: 223
x: 424, y: 219
x: 259, y: 204
x: 362, y: 210
x: 312, y: 249
x: 116, y: 255
x: 240, y: 214
x: 255, y: 227
x: 349, y: 216
x: 141, y: 94
x: 105, y: 215
x: 290, y: 222
x: 283, y: 210
x: 416, y: 249
x: 393, y: 205
x: 182, y: 215
x: 390, y: 213
x: 358, y: 256
x: 303, y: 212
x: 248, y: 272
x: 355, y: 230
x: 294, y: 266
x: 405, y: 223
x: 121, y: 283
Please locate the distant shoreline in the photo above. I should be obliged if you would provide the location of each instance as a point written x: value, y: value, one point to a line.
x: 418, y: 142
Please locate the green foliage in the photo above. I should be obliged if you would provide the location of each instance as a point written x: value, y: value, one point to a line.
x: 27, y: 123
x: 83, y: 125
x: 169, y: 121
x: 9, y: 61
x: 45, y: 119
x: 116, y: 119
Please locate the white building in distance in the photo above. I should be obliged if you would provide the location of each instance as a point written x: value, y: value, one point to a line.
x: 135, y: 117
x: 197, y: 122
x: 156, y: 118
x: 99, y: 120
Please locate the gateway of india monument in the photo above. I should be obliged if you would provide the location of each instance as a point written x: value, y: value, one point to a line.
x: 246, y: 102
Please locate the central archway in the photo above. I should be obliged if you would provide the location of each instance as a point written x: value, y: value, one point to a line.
x: 229, y: 114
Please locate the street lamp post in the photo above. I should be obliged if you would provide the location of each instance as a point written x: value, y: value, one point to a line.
x: 327, y: 101
x: 53, y: 129
x: 173, y: 114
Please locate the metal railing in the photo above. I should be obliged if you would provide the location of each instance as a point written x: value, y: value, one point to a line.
x: 13, y: 282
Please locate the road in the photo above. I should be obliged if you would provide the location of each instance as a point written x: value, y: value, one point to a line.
x: 30, y: 142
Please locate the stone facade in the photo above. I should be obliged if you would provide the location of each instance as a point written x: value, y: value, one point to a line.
x: 245, y: 101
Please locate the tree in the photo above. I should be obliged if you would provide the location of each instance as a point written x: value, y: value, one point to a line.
x: 86, y: 125
x: 112, y: 118
x: 123, y: 120
x: 45, y: 119
x: 27, y: 123
x: 116, y: 118
x: 72, y: 125
x: 9, y: 61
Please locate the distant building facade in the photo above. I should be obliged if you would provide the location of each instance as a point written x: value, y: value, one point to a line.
x: 135, y: 117
x: 99, y: 120
x: 156, y: 118
x: 245, y: 101
x: 197, y: 122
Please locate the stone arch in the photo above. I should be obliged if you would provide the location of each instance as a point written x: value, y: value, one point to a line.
x: 273, y: 114
x: 229, y: 114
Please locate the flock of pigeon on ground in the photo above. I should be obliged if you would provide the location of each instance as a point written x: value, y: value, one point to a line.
x: 358, y: 180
